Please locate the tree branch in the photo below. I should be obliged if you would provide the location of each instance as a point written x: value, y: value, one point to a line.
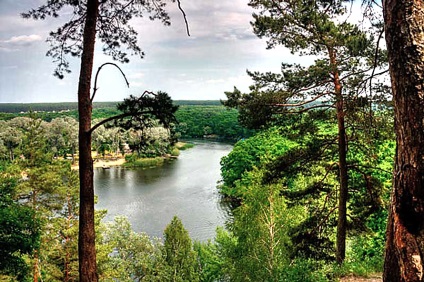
x: 302, y: 103
x: 185, y: 17
x: 97, y: 75
x: 115, y: 118
x: 311, y: 108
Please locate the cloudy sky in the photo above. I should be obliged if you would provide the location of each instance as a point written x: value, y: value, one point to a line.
x: 212, y: 60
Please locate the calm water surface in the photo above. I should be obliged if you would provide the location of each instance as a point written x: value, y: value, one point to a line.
x: 185, y: 187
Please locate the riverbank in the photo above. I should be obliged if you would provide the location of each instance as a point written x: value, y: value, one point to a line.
x: 106, y: 163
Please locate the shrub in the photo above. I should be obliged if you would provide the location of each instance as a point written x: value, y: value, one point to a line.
x: 175, y: 152
x: 184, y: 146
x: 146, y: 162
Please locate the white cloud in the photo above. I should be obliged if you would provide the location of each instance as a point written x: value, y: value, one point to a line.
x: 13, y: 44
x: 136, y: 84
x: 137, y: 75
x: 212, y: 60
x: 215, y: 81
x: 24, y: 39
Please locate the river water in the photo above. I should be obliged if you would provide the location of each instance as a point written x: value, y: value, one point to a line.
x: 185, y: 187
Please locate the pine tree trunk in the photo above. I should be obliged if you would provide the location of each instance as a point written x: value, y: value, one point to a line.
x: 86, y: 238
x: 36, y: 259
x: 404, y: 27
x: 35, y: 267
x: 343, y: 193
x: 342, y: 148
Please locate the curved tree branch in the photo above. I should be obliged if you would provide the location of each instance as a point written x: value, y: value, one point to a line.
x: 185, y: 17
x: 115, y: 118
x: 302, y: 103
x: 97, y: 75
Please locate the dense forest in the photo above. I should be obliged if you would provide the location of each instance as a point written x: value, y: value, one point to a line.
x: 283, y: 204
x: 73, y: 106
x: 196, y: 119
x: 325, y: 178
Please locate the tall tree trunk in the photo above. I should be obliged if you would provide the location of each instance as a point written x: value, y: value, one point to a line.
x: 86, y: 237
x: 342, y: 147
x: 35, y: 256
x: 35, y: 267
x: 404, y: 27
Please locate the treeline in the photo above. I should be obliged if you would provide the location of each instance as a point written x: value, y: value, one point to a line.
x: 48, y: 107
x: 71, y: 106
x: 196, y: 119
x: 60, y: 139
x: 209, y: 121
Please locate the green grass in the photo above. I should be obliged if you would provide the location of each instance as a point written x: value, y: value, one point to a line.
x: 175, y: 152
x: 185, y: 146
x: 145, y: 162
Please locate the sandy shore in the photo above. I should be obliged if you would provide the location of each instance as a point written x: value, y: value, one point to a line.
x: 104, y: 163
x: 117, y: 162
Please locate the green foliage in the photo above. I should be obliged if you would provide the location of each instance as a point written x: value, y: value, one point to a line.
x: 185, y: 146
x: 212, y: 121
x: 49, y: 189
x: 144, y: 111
x: 260, y: 225
x: 366, y: 250
x: 254, y: 109
x: 63, y: 136
x: 65, y: 107
x: 49, y: 107
x: 308, y: 177
x: 150, y: 142
x: 60, y: 236
x: 19, y: 232
x: 304, y: 270
x: 249, y: 153
x: 175, y: 152
x: 196, y: 119
x: 134, y: 161
x: 180, y: 258
x: 134, y: 257
x: 211, y: 264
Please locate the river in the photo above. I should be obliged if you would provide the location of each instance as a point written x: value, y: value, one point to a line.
x: 185, y: 187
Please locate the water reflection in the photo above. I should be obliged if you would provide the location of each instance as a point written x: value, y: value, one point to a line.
x: 185, y: 187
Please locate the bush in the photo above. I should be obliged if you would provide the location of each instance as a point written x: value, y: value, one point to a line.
x: 306, y: 270
x: 185, y: 146
x: 175, y: 152
x: 145, y: 162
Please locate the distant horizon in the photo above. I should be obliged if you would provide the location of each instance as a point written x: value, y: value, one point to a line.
x: 19, y: 107
x: 68, y: 102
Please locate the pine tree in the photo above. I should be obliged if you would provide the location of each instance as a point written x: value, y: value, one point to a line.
x: 109, y: 21
x: 180, y: 257
x: 346, y: 59
x: 404, y: 27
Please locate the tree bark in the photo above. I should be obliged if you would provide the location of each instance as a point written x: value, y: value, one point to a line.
x: 86, y: 237
x: 343, y: 171
x: 404, y: 28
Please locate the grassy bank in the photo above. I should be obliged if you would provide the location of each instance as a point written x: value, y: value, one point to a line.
x: 133, y: 160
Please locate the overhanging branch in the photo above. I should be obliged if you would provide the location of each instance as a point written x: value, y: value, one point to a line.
x: 302, y: 103
x: 97, y: 75
x: 115, y: 118
x: 185, y: 17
